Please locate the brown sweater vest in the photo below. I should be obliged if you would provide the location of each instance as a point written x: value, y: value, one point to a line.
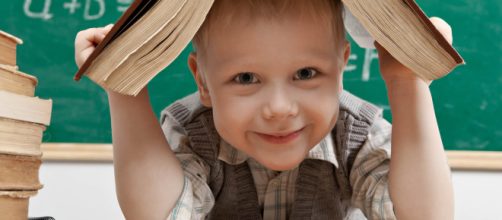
x: 322, y: 190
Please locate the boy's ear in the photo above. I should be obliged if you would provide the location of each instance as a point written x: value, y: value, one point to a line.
x: 346, y: 55
x: 204, y: 97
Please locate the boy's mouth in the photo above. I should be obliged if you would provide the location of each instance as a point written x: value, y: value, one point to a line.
x: 281, y: 137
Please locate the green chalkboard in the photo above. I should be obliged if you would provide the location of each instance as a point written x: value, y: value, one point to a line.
x: 468, y: 101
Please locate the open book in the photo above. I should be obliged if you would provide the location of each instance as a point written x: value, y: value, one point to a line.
x: 145, y: 40
x: 152, y: 33
x: 404, y: 30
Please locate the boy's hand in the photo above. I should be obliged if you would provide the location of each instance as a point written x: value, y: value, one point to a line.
x: 86, y: 41
x: 392, y: 70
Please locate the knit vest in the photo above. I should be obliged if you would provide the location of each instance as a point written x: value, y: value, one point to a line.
x: 322, y: 190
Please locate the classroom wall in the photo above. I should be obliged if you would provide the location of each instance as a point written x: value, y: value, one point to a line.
x: 83, y: 191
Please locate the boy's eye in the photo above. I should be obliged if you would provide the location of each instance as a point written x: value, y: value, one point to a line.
x: 305, y: 74
x: 245, y: 78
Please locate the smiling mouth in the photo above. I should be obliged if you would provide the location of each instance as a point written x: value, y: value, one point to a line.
x: 281, y: 138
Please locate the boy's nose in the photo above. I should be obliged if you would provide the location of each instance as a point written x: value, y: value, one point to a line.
x: 280, y: 105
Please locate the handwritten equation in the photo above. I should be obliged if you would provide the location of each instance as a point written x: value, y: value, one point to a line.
x: 369, y: 56
x: 88, y: 9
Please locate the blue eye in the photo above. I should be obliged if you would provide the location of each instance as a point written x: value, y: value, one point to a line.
x: 245, y: 78
x: 305, y: 74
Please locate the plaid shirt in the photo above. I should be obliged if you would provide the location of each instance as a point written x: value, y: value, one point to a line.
x: 276, y: 190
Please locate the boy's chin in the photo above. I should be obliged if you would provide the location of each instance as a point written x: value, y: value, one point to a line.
x: 281, y: 165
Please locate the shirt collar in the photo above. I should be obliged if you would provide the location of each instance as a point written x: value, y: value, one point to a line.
x: 324, y: 150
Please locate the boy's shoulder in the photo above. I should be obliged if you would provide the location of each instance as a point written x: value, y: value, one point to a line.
x: 358, y: 108
x: 184, y: 109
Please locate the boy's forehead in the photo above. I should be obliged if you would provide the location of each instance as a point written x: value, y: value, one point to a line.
x: 245, y: 44
x: 228, y: 24
x: 225, y: 11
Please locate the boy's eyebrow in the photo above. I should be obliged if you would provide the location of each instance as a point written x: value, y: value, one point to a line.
x: 305, y: 57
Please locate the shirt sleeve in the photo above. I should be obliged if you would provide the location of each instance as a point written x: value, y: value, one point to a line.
x: 196, y: 199
x: 369, y: 174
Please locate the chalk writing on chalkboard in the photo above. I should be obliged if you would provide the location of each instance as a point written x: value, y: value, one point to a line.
x: 92, y: 9
x: 369, y: 56
x: 123, y: 5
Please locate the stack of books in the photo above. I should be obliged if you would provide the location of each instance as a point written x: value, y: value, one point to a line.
x: 23, y: 119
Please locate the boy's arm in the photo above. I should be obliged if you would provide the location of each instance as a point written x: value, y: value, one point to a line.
x: 419, y: 177
x: 148, y: 176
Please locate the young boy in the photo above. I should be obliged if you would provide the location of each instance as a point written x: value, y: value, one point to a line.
x: 271, y: 134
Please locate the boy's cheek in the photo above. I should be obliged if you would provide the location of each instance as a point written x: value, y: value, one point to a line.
x: 234, y: 110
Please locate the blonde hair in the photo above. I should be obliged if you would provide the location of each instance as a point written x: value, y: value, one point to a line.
x: 224, y: 11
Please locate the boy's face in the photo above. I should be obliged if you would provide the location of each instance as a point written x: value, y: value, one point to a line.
x: 273, y: 86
